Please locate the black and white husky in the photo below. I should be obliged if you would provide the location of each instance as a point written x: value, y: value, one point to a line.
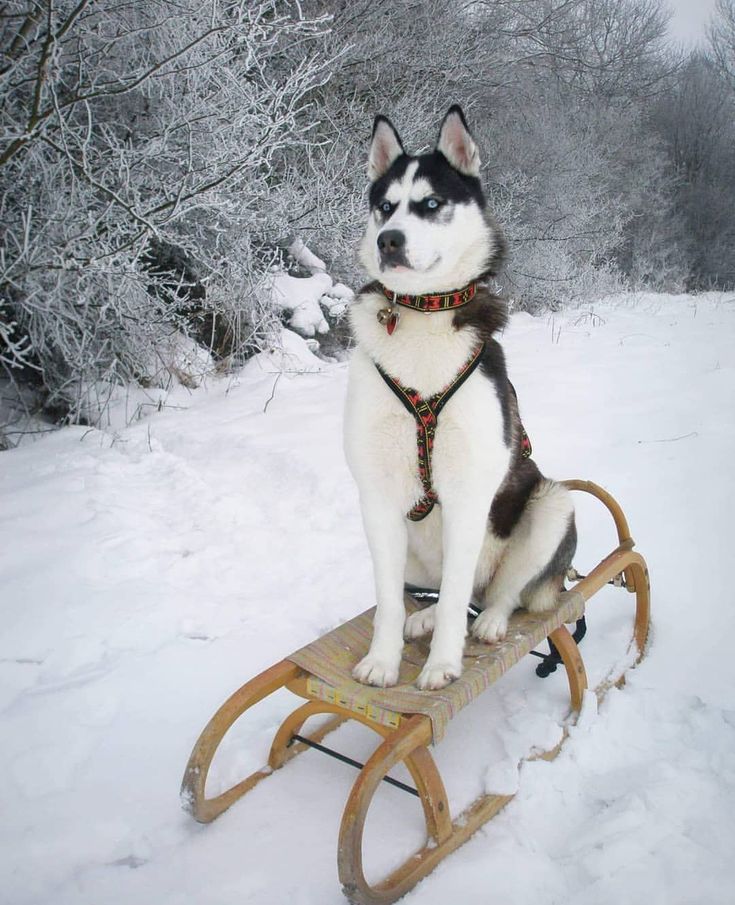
x: 473, y: 513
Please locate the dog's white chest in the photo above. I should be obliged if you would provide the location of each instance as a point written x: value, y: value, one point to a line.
x: 381, y: 438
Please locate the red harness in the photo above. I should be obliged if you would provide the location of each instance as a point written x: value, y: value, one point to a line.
x: 426, y: 411
x: 426, y: 414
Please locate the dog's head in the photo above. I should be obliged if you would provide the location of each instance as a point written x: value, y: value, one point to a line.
x: 429, y: 229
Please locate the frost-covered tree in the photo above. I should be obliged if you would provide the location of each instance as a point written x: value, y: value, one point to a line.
x: 606, y: 49
x: 143, y: 150
x: 721, y: 35
x: 696, y: 120
x: 574, y: 167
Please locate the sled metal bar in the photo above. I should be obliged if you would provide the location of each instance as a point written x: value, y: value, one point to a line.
x: 353, y: 763
x: 420, y: 764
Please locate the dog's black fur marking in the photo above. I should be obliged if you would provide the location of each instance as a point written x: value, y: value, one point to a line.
x: 441, y: 214
x: 486, y: 314
x: 448, y: 184
x: 511, y: 499
x: 394, y: 172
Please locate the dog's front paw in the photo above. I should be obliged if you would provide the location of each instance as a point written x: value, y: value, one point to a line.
x: 491, y: 625
x: 438, y: 675
x: 420, y: 623
x: 377, y: 670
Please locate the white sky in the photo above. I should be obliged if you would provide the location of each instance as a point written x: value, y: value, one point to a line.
x: 689, y: 19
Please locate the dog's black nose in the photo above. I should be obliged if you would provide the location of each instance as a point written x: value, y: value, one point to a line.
x: 391, y: 241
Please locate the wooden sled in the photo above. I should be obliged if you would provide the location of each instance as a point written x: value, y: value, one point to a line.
x: 409, y: 720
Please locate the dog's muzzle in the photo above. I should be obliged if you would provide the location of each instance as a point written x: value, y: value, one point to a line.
x: 392, y: 248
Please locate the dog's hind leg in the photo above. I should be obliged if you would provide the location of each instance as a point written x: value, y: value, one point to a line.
x: 387, y: 537
x: 538, y: 554
x: 420, y: 623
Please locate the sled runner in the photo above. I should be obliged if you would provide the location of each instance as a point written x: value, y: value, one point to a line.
x: 408, y: 720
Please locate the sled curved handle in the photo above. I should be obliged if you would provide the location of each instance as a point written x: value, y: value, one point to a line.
x: 623, y: 559
x: 626, y: 542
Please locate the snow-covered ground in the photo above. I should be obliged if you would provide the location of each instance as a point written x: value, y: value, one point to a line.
x: 149, y: 572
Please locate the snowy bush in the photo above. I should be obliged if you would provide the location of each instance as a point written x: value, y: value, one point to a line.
x: 142, y: 157
x: 309, y: 305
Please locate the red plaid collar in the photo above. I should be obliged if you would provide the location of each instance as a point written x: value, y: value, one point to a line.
x: 441, y: 301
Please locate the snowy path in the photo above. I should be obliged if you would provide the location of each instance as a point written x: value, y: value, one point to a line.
x: 145, y: 577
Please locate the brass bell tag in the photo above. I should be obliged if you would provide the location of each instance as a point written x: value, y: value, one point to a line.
x: 388, y: 317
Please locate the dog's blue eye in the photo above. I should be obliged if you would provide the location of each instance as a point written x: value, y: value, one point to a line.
x: 432, y: 203
x: 386, y: 207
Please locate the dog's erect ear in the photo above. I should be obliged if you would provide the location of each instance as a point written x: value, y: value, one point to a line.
x: 456, y: 143
x: 385, y: 147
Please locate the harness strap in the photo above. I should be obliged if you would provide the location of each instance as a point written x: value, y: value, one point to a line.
x: 426, y: 414
x: 525, y: 443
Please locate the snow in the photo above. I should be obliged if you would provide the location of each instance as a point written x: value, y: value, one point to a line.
x: 293, y: 356
x: 340, y: 291
x: 149, y: 571
x: 300, y: 252
x: 304, y: 297
x: 300, y: 296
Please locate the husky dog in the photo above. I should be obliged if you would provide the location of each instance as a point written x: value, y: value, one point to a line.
x: 449, y: 500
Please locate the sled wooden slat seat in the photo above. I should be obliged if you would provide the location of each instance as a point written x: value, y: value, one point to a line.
x: 328, y: 663
x: 407, y: 720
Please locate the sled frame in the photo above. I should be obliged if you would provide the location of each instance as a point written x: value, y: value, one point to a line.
x: 409, y: 742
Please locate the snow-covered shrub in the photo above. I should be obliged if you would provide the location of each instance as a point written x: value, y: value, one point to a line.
x: 128, y: 129
x: 299, y: 296
x: 310, y: 305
